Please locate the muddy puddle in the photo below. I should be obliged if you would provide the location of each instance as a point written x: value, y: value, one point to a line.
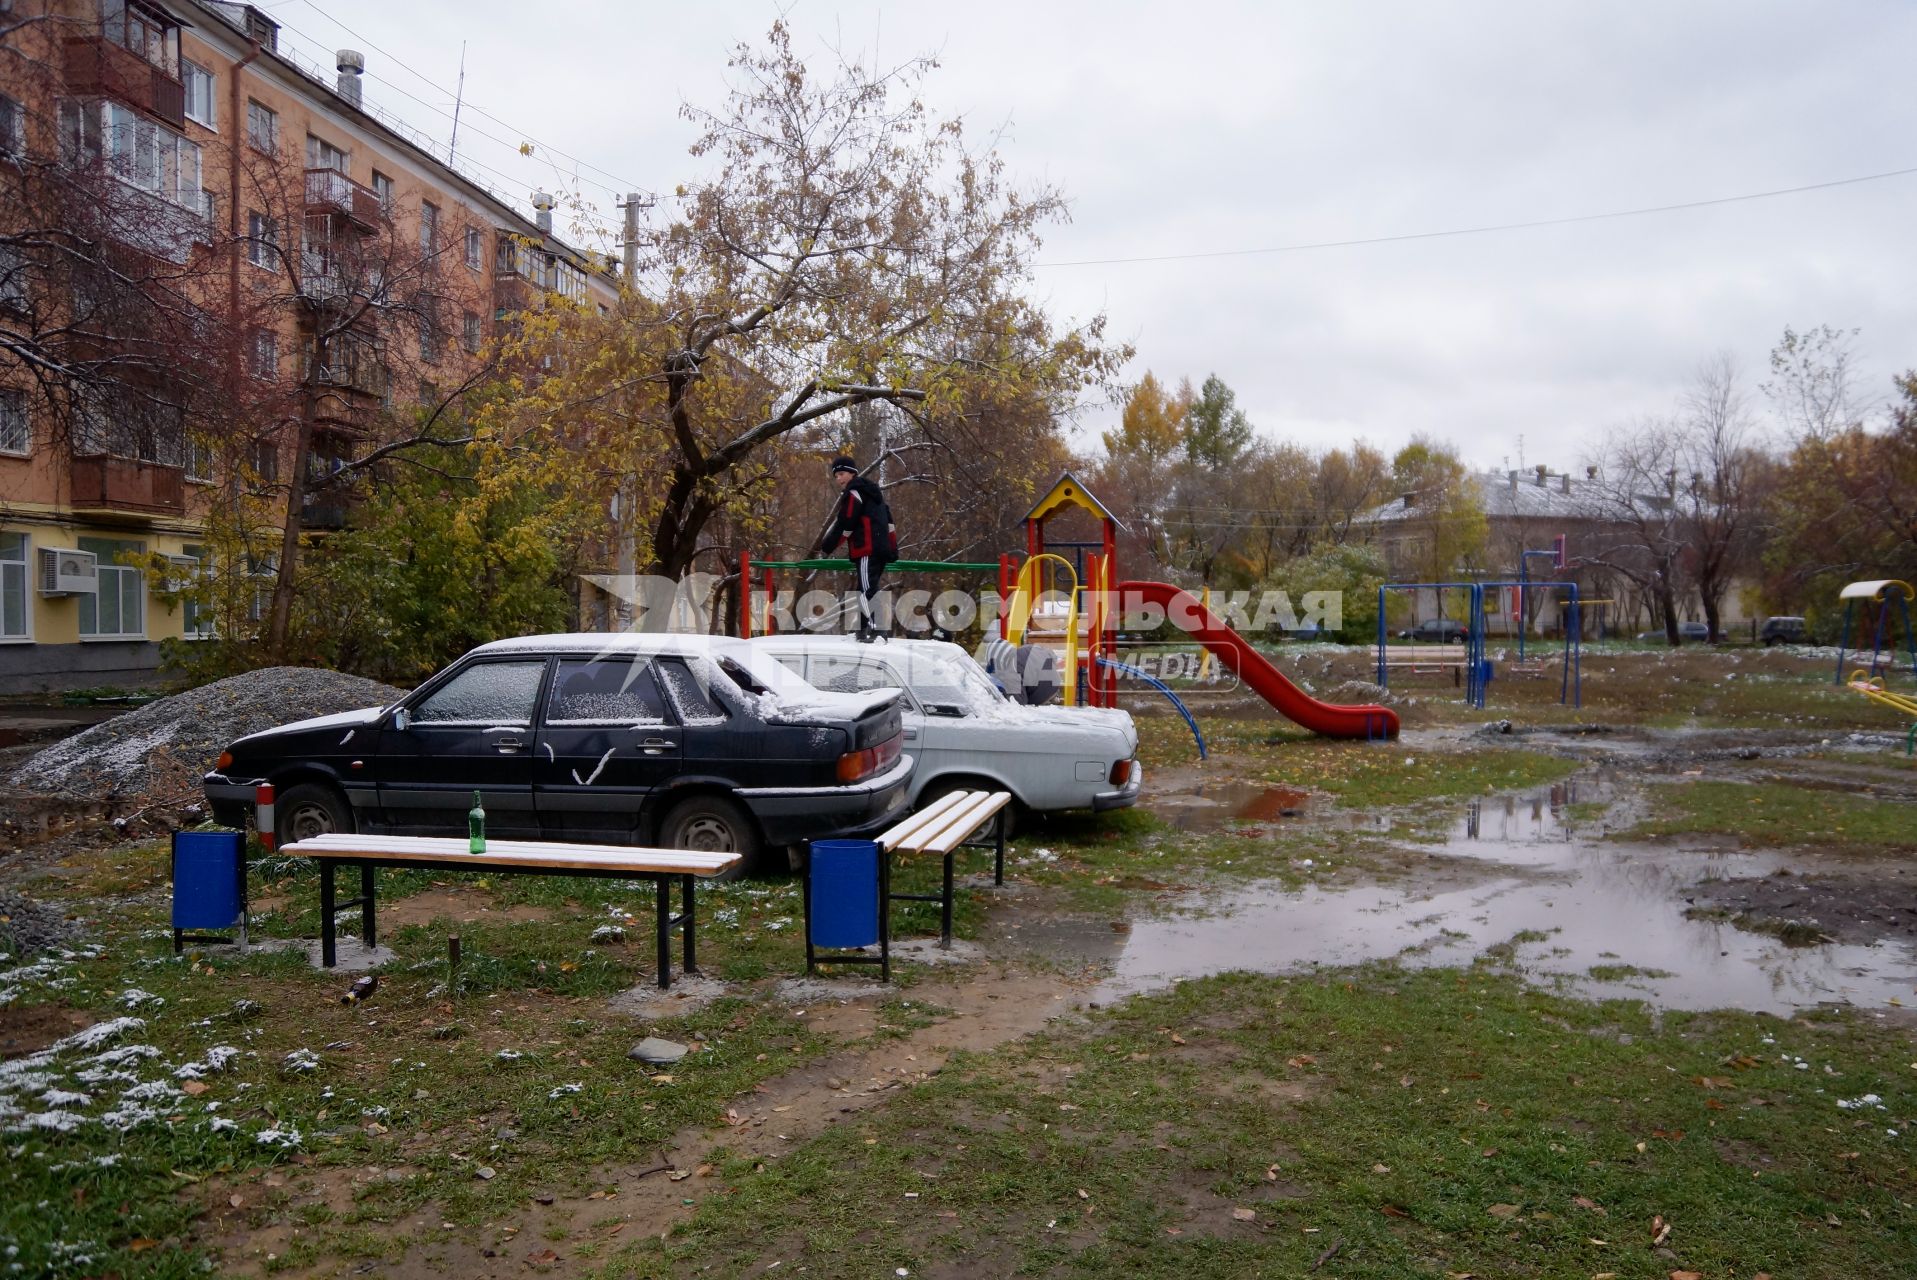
x: 1598, y: 918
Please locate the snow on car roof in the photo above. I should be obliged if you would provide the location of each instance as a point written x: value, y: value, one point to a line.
x: 618, y: 642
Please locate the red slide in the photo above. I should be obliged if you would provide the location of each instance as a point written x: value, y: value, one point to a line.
x: 1265, y: 680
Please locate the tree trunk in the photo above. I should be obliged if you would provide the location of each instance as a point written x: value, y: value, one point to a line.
x: 279, y: 617
x: 1667, y: 604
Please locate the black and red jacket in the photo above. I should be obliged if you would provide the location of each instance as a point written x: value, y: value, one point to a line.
x: 864, y: 522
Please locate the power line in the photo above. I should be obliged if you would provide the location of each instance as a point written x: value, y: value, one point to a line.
x: 1486, y: 230
x: 625, y: 185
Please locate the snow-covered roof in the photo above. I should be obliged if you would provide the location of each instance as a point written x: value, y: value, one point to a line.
x: 1514, y: 495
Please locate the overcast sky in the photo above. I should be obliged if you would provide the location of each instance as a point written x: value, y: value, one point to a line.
x: 1192, y: 128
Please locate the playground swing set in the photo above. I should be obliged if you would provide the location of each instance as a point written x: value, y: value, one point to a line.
x: 1074, y: 606
x: 1878, y: 597
x: 1467, y: 664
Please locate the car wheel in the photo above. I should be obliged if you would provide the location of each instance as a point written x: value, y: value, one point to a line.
x: 712, y: 824
x: 310, y: 809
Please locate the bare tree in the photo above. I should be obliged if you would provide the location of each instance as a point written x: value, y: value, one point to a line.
x: 1720, y: 472
x: 1643, y: 533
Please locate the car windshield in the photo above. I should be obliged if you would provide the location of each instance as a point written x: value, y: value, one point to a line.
x: 951, y: 683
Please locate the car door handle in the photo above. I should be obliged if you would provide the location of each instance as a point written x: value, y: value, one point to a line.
x: 657, y: 746
x: 507, y: 746
x: 911, y: 735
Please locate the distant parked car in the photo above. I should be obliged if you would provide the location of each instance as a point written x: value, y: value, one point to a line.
x: 964, y: 732
x: 1438, y: 630
x: 1783, y: 631
x: 692, y: 742
x: 1688, y: 632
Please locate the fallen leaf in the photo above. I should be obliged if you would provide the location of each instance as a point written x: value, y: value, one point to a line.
x: 1687, y: 1275
x: 1174, y: 1231
x: 1244, y: 1215
x: 543, y: 1257
x: 140, y: 1244
x: 235, y: 1201
x: 680, y: 1175
x: 1585, y: 1202
x: 1713, y: 1082
x: 1503, y: 1211
x: 1084, y: 1194
x: 1393, y: 1211
x: 1672, y: 1135
x: 704, y: 1171
x: 731, y: 1116
x: 1660, y: 1229
x: 195, y: 1087
x: 1380, y: 1168
x: 1177, y: 1039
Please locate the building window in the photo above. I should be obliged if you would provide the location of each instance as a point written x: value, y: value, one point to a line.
x: 383, y: 188
x: 262, y: 127
x: 428, y: 339
x: 13, y: 128
x: 321, y: 154
x: 265, y: 354
x: 13, y: 423
x: 199, y: 459
x: 199, y: 93
x: 472, y: 334
x: 196, y: 619
x: 475, y: 247
x: 264, y: 459
x: 137, y: 151
x: 428, y: 226
x: 262, y: 241
x: 428, y: 394
x: 13, y: 586
x: 117, y: 608
x: 13, y: 279
x: 143, y: 31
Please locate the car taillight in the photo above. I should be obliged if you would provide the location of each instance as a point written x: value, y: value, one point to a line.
x: 225, y: 761
x: 854, y: 766
x: 1121, y: 773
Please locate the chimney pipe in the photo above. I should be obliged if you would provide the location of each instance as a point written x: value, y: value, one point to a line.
x: 542, y: 211
x: 1590, y: 473
x: 1541, y: 470
x: 1564, y: 482
x: 351, y: 62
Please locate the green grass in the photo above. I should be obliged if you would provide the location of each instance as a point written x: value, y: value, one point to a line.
x: 1425, y: 1124
x: 1776, y: 814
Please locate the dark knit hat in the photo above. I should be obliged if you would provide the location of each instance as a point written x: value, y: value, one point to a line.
x: 843, y: 463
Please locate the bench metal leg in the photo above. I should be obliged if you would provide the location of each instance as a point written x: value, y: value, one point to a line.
x: 945, y: 906
x: 805, y: 897
x: 885, y: 915
x: 664, y: 912
x: 328, y: 955
x: 691, y: 957
x: 367, y: 926
x: 998, y: 845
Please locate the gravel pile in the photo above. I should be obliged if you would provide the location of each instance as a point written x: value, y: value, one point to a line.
x: 160, y: 750
x: 28, y: 925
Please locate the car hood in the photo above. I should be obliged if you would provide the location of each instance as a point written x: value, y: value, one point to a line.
x: 339, y: 720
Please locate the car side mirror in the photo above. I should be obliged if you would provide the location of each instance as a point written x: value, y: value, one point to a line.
x: 402, y: 719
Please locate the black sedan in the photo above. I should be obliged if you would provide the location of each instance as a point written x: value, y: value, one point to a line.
x: 691, y: 742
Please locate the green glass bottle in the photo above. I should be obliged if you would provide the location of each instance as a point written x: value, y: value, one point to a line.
x: 476, y: 827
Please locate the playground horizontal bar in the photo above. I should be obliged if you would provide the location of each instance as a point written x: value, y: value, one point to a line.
x: 897, y: 566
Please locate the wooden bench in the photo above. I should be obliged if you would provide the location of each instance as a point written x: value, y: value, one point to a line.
x: 516, y: 857
x: 942, y: 828
x: 1424, y: 660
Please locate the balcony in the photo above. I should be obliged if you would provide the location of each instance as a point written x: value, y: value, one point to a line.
x: 323, y: 516
x: 96, y: 65
x: 330, y: 191
x: 107, y: 486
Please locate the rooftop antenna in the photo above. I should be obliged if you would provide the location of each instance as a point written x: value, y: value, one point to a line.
x: 459, y: 96
x: 1520, y: 434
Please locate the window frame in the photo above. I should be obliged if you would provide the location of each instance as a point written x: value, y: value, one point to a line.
x: 128, y: 579
x: 14, y: 578
x: 472, y: 333
x: 475, y: 249
x: 13, y: 128
x: 262, y: 119
x: 383, y: 188
x: 190, y: 73
x: 262, y: 234
x: 668, y: 710
x: 18, y: 400
x: 428, y: 227
x: 263, y: 354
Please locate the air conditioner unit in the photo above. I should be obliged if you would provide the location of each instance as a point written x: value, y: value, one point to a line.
x: 181, y: 572
x: 64, y: 572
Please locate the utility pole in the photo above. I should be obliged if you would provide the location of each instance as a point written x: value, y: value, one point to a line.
x: 629, y: 260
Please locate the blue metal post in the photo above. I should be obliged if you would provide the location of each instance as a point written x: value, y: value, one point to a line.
x: 1382, y: 641
x: 1843, y: 643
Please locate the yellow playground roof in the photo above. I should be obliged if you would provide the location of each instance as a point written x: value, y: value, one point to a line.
x: 1069, y: 491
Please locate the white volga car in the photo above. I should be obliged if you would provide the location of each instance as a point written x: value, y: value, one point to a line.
x: 964, y: 731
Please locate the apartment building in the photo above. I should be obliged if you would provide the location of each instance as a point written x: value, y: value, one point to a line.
x: 279, y: 283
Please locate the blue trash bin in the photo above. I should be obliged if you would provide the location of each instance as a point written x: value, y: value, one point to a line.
x: 209, y: 882
x: 844, y: 887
